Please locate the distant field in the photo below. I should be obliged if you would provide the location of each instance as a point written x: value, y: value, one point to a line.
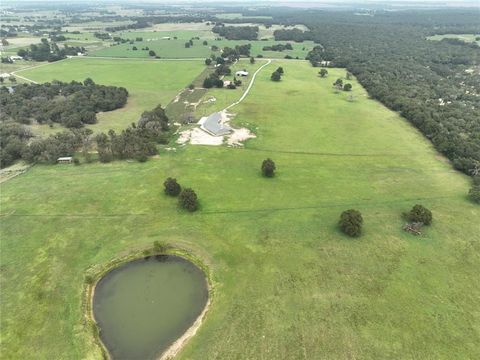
x: 149, y: 83
x: 287, y: 283
x: 176, y: 48
x: 239, y: 16
x: 463, y: 37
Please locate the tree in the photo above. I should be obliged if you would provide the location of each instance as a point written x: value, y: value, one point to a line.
x: 420, y: 214
x: 351, y: 222
x: 347, y: 87
x: 152, y: 53
x: 191, y: 86
x: 280, y: 70
x: 187, y: 45
x: 474, y: 193
x: 252, y: 60
x: 338, y: 84
x: 268, y: 168
x: 134, y: 48
x: 188, y: 200
x: 208, y: 61
x: 208, y: 83
x: 205, y: 43
x: 172, y: 187
x: 323, y: 73
x: 276, y: 76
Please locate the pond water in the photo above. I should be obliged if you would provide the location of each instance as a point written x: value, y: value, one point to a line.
x: 143, y: 306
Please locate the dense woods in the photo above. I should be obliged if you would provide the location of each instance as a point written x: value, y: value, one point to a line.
x: 433, y: 84
x: 236, y: 32
x: 69, y: 104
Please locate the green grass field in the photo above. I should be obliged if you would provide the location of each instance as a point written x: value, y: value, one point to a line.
x: 149, y: 83
x: 176, y: 49
x: 287, y: 283
x: 464, y: 37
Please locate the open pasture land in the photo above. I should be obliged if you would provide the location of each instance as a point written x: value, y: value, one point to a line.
x: 464, y: 37
x: 239, y: 16
x: 287, y: 283
x: 175, y: 48
x: 149, y: 83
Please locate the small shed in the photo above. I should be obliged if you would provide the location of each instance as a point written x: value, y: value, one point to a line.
x: 241, y: 73
x: 65, y: 160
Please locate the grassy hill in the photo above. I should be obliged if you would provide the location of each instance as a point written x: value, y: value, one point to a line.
x: 287, y: 283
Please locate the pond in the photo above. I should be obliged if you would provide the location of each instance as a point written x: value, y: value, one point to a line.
x: 143, y: 306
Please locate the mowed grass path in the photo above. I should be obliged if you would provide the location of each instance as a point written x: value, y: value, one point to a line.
x: 287, y: 284
x: 149, y: 83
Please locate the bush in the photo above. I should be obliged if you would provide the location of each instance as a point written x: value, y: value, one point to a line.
x: 347, y: 87
x: 172, y: 188
x: 159, y: 247
x: 191, y: 86
x: 420, y: 214
x: 188, y: 200
x: 280, y: 70
x: 351, y: 222
x: 474, y: 193
x: 268, y: 168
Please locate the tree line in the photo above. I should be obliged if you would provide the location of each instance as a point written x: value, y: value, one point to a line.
x: 137, y: 142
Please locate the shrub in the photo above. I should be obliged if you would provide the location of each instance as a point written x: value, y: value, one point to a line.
x: 188, y: 200
x: 191, y: 86
x: 474, y: 193
x: 420, y: 214
x: 172, y: 188
x: 159, y: 247
x: 268, y: 168
x: 323, y: 72
x: 351, y: 222
x: 280, y: 70
x: 347, y: 87
x: 76, y: 161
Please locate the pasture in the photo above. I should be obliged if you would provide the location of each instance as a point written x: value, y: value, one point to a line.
x: 175, y: 48
x: 287, y: 283
x: 464, y: 37
x: 149, y: 83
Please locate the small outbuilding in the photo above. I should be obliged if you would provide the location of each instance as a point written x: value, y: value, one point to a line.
x: 241, y: 73
x: 65, y: 160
